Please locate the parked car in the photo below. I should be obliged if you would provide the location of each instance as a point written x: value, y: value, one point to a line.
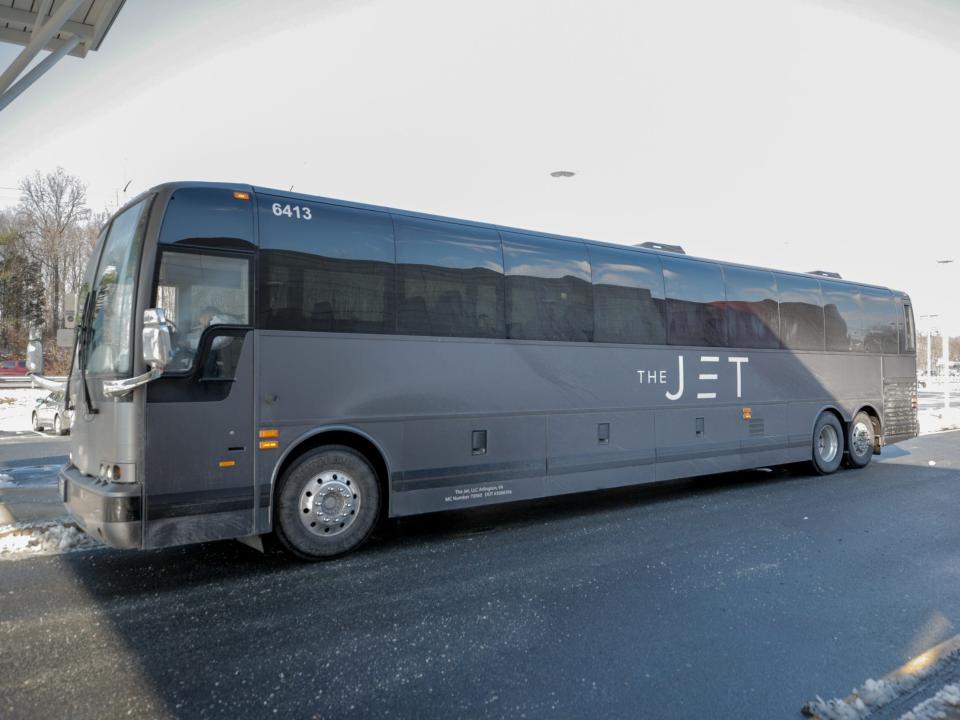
x: 13, y: 367
x: 50, y: 413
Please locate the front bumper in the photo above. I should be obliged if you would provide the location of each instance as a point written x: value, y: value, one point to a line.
x: 109, y: 512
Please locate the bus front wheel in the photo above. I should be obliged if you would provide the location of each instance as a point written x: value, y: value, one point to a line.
x: 327, y: 503
x: 861, y: 440
x: 827, y: 444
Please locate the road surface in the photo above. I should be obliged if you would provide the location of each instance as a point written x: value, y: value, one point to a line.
x: 741, y: 596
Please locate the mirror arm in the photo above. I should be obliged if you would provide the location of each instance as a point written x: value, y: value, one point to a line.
x: 119, y: 388
x: 47, y: 383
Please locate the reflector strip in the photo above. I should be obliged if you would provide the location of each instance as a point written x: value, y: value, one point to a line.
x: 269, y: 444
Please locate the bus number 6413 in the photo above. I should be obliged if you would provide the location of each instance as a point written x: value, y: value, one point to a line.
x: 292, y: 211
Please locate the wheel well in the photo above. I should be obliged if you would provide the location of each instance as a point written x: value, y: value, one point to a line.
x: 836, y: 413
x: 352, y: 440
x: 874, y: 416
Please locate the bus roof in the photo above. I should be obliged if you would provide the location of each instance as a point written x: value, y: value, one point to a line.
x: 260, y: 190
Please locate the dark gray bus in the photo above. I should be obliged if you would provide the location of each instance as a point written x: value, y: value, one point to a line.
x: 251, y: 361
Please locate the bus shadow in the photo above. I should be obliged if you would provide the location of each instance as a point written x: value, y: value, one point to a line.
x: 110, y: 574
x: 583, y: 504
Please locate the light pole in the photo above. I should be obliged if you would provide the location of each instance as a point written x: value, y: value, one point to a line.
x: 929, y: 343
x: 945, y: 340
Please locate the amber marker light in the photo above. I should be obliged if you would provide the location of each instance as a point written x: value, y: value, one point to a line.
x: 269, y: 444
x: 240, y: 195
x: 270, y: 433
x: 747, y: 413
x: 227, y: 463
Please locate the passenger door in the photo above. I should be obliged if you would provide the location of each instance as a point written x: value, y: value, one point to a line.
x: 199, y: 464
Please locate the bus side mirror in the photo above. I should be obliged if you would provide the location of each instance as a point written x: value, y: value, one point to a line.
x: 157, y: 344
x: 157, y: 351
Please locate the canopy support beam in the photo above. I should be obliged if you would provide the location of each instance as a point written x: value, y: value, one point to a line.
x: 38, y: 40
x: 27, y: 80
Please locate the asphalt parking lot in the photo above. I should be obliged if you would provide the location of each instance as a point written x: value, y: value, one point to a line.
x: 740, y: 595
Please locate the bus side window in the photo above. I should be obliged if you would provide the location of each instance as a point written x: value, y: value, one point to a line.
x: 753, y: 319
x: 197, y: 290
x: 627, y: 296
x: 549, y: 295
x: 695, y: 301
x: 801, y: 313
x: 908, y: 337
x: 880, y: 320
x: 449, y: 279
x: 333, y: 272
x: 843, y: 317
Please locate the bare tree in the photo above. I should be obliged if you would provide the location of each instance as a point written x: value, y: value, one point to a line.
x: 79, y: 245
x: 52, y: 212
x: 22, y: 299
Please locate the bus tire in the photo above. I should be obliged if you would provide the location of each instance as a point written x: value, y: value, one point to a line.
x: 327, y: 504
x: 827, y: 444
x: 860, y: 441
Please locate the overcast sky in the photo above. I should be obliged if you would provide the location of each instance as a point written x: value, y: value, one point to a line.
x: 798, y: 134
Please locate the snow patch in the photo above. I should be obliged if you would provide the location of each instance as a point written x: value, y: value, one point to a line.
x: 6, y: 481
x: 52, y: 538
x: 864, y: 700
x: 874, y: 694
x: 936, y: 707
x: 16, y: 406
x: 932, y: 421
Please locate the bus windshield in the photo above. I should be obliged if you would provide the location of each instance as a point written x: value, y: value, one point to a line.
x: 111, y: 314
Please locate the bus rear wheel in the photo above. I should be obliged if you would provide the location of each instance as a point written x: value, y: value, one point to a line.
x: 328, y: 502
x: 827, y: 444
x: 860, y: 441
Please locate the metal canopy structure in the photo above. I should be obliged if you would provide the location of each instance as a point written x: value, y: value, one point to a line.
x: 59, y: 27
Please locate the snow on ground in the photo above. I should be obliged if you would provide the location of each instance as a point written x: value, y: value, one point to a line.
x: 874, y: 694
x: 16, y: 405
x: 945, y: 704
x: 939, y: 420
x: 51, y: 538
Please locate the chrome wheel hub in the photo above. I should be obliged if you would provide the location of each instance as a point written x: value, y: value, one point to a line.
x: 860, y: 439
x: 828, y: 443
x: 329, y: 503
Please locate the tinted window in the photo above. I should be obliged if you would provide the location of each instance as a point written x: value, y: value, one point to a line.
x: 879, y: 321
x: 842, y: 316
x: 211, y: 217
x: 695, y: 300
x: 753, y: 319
x: 801, y: 313
x: 908, y: 338
x: 449, y: 279
x: 549, y: 296
x: 627, y: 296
x: 333, y: 272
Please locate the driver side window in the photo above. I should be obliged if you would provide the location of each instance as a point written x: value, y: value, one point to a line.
x: 196, y: 291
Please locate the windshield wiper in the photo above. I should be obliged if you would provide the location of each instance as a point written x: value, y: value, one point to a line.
x: 82, y: 331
